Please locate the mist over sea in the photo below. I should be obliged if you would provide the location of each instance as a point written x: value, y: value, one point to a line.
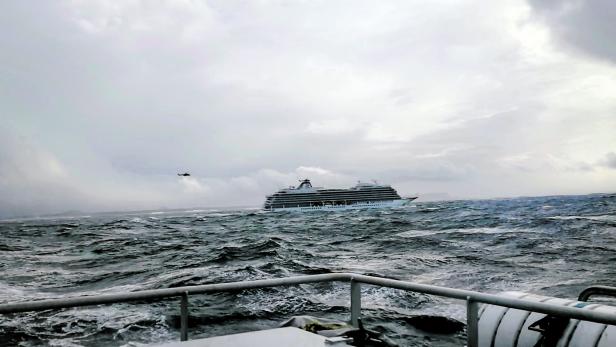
x: 545, y: 245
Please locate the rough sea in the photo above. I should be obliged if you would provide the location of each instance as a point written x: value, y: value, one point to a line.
x: 552, y: 246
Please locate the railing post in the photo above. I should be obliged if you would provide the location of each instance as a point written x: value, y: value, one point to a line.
x: 355, y: 303
x: 472, y: 320
x: 184, y: 317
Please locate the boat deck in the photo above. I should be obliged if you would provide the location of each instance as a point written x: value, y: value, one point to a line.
x: 281, y: 337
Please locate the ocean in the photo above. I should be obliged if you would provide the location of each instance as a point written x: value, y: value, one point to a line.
x: 552, y: 246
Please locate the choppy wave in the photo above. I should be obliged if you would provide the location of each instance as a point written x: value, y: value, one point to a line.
x: 548, y: 245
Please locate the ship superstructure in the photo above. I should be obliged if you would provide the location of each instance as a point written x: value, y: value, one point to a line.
x: 307, y: 197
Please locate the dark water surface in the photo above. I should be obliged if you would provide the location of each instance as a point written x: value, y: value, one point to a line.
x: 549, y: 245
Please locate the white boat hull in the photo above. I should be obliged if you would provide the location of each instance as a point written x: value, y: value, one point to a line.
x: 356, y: 206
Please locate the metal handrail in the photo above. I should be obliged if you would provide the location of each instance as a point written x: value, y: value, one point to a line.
x: 597, y: 290
x: 472, y: 299
x: 41, y: 305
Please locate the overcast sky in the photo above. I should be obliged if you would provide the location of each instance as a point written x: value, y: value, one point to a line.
x: 103, y: 102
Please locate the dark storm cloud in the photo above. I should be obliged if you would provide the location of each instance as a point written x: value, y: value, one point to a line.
x: 586, y: 25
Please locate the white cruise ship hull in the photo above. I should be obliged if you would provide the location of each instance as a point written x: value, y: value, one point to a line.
x: 355, y: 206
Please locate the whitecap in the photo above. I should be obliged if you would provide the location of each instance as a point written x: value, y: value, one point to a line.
x: 416, y: 233
x: 600, y: 218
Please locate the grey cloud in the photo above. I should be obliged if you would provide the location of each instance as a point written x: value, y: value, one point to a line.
x: 32, y: 180
x: 610, y: 160
x: 586, y: 25
x: 423, y: 170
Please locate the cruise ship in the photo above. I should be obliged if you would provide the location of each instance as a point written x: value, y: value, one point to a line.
x: 307, y: 198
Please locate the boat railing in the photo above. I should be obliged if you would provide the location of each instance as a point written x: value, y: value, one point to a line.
x: 472, y: 299
x: 597, y: 290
